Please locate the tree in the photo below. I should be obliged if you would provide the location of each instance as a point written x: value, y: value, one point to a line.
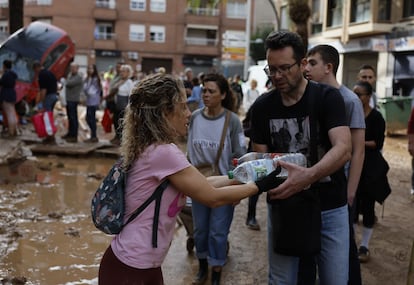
x: 257, y: 50
x: 299, y: 13
x: 15, y: 15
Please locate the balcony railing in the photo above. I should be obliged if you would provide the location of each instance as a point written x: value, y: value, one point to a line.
x: 105, y: 36
x: 105, y: 4
x: 38, y: 2
x: 203, y: 11
x: 200, y: 41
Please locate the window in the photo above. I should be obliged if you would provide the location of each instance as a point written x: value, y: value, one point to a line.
x: 43, y: 20
x: 54, y: 55
x: 236, y: 10
x: 105, y: 4
x: 4, y: 27
x: 4, y: 3
x: 38, y: 2
x: 384, y: 10
x: 201, y: 36
x: 334, y: 13
x: 157, y: 34
x: 137, y: 33
x: 284, y: 17
x: 317, y: 16
x: 360, y: 11
x: 44, y: 2
x: 159, y: 6
x: 408, y: 8
x: 104, y: 31
x: 137, y: 5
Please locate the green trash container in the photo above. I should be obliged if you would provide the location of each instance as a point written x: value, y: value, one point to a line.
x: 396, y: 112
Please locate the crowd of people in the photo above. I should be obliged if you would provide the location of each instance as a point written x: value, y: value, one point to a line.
x: 335, y: 127
x: 306, y: 111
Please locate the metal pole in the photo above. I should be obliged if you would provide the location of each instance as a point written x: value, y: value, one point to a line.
x: 247, y: 51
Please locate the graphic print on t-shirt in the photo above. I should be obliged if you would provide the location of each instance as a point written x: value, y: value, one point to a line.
x: 290, y: 134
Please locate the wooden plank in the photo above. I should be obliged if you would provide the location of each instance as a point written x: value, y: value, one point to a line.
x: 64, y: 149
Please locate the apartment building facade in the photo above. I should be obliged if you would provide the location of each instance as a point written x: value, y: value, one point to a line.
x: 375, y: 32
x: 202, y: 34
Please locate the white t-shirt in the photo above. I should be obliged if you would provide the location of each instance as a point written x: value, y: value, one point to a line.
x: 133, y: 246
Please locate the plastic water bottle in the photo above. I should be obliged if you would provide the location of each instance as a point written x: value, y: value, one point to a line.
x: 254, y: 170
x: 254, y: 156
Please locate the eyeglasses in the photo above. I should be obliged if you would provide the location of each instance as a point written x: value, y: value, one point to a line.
x: 282, y: 70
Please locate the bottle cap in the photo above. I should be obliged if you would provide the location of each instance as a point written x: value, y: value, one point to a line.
x: 230, y: 174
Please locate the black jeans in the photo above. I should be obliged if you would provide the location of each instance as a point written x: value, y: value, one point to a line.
x: 72, y: 113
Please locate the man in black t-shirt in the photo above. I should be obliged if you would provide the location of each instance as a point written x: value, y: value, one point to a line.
x: 47, y: 96
x: 296, y: 106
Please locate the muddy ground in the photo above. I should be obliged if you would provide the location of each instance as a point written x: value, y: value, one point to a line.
x: 47, y: 238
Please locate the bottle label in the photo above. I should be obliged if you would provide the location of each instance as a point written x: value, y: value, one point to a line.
x: 259, y: 169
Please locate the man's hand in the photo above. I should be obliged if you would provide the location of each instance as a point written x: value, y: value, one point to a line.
x: 299, y: 178
x: 270, y: 181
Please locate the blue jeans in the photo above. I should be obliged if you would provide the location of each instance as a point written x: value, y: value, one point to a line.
x: 72, y: 113
x: 91, y: 119
x: 211, y: 229
x: 50, y: 101
x: 333, y: 260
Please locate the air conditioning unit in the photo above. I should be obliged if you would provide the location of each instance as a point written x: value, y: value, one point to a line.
x: 133, y: 55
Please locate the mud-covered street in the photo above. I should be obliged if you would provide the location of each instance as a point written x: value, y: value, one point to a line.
x: 47, y: 237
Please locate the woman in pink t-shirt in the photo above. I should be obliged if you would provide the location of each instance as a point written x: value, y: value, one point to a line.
x: 155, y: 116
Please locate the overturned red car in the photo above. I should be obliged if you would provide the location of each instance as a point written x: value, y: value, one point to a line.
x: 42, y: 42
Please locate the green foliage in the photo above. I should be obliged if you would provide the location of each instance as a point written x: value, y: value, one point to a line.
x: 257, y: 50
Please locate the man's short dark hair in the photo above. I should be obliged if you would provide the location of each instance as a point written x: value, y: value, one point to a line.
x: 366, y: 86
x: 7, y: 63
x: 367, y: 66
x: 281, y: 39
x: 328, y: 53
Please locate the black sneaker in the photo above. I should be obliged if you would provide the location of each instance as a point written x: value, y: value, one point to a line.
x: 71, y: 139
x: 363, y: 254
x: 252, y: 224
x: 49, y: 140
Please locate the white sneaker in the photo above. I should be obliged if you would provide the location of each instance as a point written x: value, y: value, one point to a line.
x: 412, y: 192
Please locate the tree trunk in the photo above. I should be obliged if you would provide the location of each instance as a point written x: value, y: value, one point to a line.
x: 15, y: 15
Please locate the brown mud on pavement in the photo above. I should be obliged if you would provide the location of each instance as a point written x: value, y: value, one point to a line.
x: 47, y: 237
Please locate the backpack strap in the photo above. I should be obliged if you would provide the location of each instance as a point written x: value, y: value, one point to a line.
x: 156, y: 195
x: 314, y: 95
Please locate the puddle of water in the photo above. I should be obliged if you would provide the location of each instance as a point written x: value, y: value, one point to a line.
x: 59, y: 243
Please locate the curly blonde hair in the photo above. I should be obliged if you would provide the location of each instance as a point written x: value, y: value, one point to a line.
x: 145, y: 121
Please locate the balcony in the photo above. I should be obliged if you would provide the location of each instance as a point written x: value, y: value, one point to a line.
x: 368, y: 29
x: 105, y: 41
x: 202, y: 16
x: 105, y: 10
x: 203, y: 11
x: 197, y: 45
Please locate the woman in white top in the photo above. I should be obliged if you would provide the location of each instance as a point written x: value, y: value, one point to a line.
x: 124, y: 85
